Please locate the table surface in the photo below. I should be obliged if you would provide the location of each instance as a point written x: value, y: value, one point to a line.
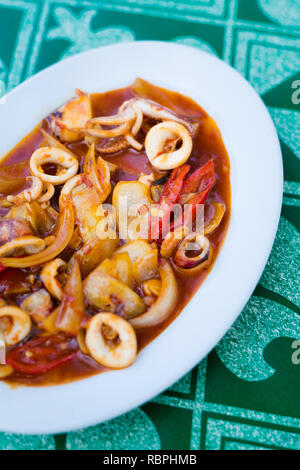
x: 245, y: 395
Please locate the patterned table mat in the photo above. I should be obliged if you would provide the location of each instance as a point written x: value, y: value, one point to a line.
x: 245, y: 395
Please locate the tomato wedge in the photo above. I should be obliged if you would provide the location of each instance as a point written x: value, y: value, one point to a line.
x: 43, y: 353
x: 168, y: 198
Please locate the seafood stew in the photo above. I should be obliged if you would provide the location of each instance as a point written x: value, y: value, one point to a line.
x: 101, y: 243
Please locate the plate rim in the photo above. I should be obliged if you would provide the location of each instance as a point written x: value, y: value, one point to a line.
x: 132, y: 403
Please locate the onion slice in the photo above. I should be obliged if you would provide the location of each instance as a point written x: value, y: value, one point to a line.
x: 72, y: 308
x: 164, y: 304
x: 65, y: 225
x: 214, y: 223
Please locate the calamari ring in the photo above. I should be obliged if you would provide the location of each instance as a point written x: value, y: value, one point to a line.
x: 48, y: 276
x: 124, y: 115
x: 158, y: 137
x: 133, y: 142
x: 19, y: 326
x: 115, y: 356
x: 154, y: 110
x: 30, y: 194
x: 81, y: 341
x: 139, y: 120
x: 193, y: 241
x: 29, y: 243
x: 136, y: 112
x: 122, y: 129
x: 138, y: 116
x: 113, y: 147
x: 172, y: 240
x: 56, y: 156
x: 48, y: 194
x: 70, y: 185
x: 124, y: 120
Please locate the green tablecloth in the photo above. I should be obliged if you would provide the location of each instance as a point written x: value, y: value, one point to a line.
x: 245, y: 395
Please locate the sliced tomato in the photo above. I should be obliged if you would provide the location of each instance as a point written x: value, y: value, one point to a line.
x: 43, y: 353
x: 168, y: 198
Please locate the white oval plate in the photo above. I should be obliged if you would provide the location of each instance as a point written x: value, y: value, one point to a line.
x: 256, y: 179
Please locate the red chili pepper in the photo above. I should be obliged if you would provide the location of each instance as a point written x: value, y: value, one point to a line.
x: 190, y: 211
x: 43, y: 354
x: 168, y: 198
x: 199, y: 180
x: 173, y: 187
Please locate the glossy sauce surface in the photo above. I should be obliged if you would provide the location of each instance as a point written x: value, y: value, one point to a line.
x: 208, y: 144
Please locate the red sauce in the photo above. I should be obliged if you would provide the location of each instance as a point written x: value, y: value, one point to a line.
x: 208, y: 144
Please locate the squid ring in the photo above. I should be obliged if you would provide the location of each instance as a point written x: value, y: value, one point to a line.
x: 198, y: 242
x: 19, y: 327
x: 58, y: 157
x: 81, y: 341
x: 48, y: 194
x: 156, y: 111
x: 29, y: 243
x: 115, y: 356
x: 48, y: 276
x: 114, y: 147
x: 70, y: 185
x: 107, y: 133
x: 122, y: 120
x: 137, y: 113
x: 138, y: 121
x: 172, y: 240
x: 159, y: 136
x: 30, y: 194
x: 126, y: 115
x: 133, y: 142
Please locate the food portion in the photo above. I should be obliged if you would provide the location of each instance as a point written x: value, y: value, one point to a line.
x: 113, y: 211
